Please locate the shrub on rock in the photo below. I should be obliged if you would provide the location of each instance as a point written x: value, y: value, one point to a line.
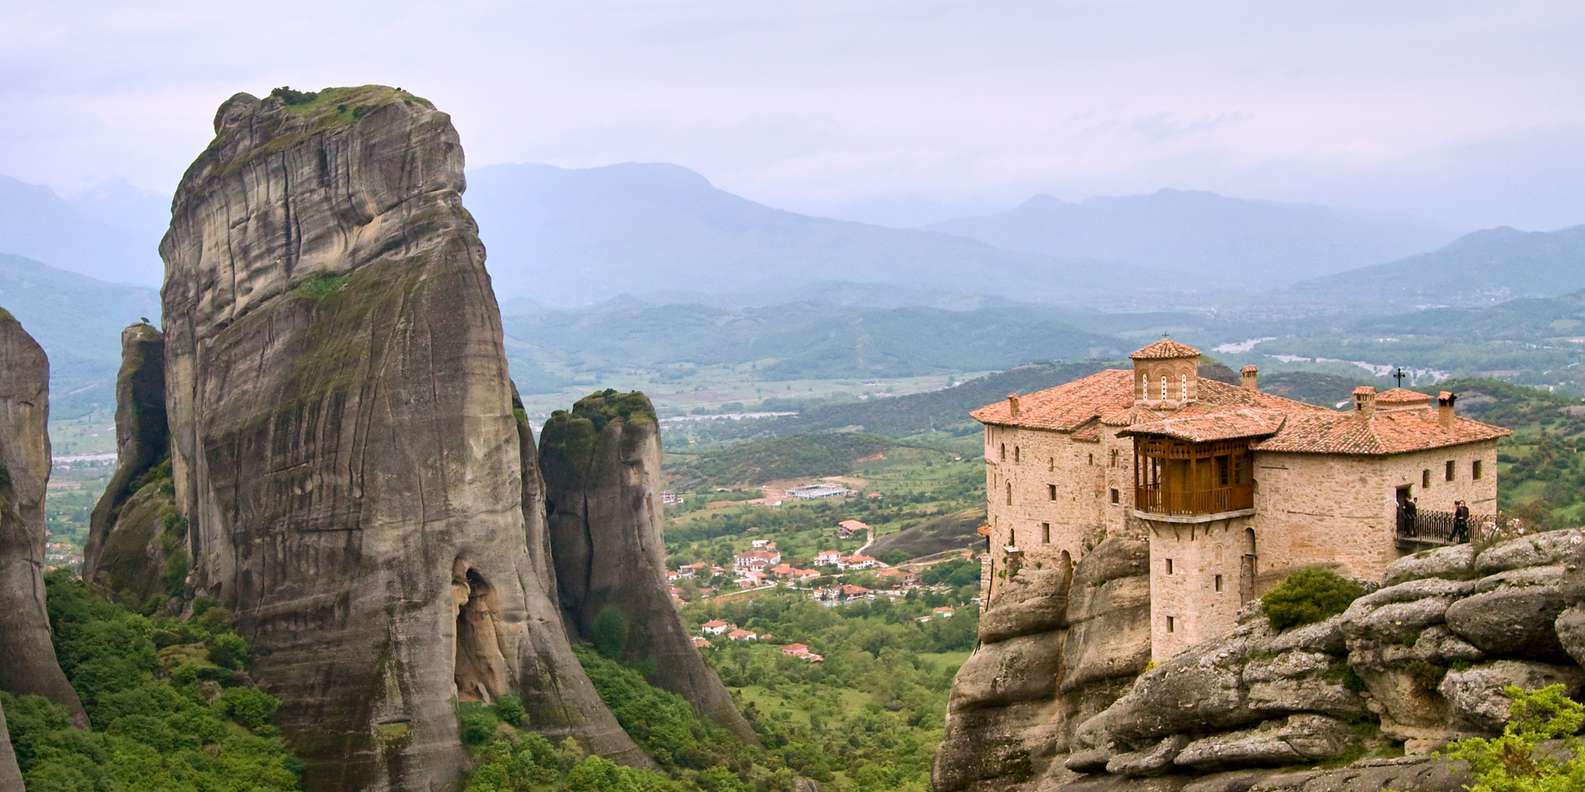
x: 1308, y: 596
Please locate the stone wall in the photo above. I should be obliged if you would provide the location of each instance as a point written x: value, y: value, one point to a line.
x: 1199, y: 596
x: 1080, y: 514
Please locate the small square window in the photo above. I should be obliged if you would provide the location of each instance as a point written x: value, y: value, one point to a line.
x: 1217, y: 582
x: 1116, y: 498
x: 1449, y: 472
x: 1051, y: 492
x: 1170, y: 624
x: 1475, y: 471
x: 1169, y: 566
x: 1045, y: 532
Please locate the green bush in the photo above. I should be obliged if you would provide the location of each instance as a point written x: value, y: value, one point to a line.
x: 476, y: 724
x: 509, y: 709
x: 1307, y: 596
x: 608, y: 633
x: 248, y: 706
x: 228, y: 650
x: 1511, y: 763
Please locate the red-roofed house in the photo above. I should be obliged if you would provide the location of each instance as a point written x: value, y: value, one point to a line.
x: 716, y: 627
x: 847, y: 528
x: 700, y: 643
x: 741, y: 635
x: 859, y: 562
x: 756, y: 560
x: 1232, y: 486
x: 828, y: 558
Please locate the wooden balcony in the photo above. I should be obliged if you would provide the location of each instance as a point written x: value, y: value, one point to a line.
x: 1172, y: 502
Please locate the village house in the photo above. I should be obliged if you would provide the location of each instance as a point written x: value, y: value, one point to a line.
x: 700, y: 643
x: 741, y: 635
x: 942, y: 613
x: 1233, y: 488
x: 756, y: 560
x: 847, y: 528
x: 762, y: 544
x: 857, y: 561
x: 801, y: 652
x: 828, y: 558
x: 717, y: 627
x: 898, y: 577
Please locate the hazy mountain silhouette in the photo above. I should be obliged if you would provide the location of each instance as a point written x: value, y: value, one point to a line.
x: 1219, y: 240
x: 112, y: 235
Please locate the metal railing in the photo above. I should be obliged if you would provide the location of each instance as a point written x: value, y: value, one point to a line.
x: 1154, y: 499
x: 1432, y: 527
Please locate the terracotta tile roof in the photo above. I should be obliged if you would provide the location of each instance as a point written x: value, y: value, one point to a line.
x: 1223, y: 424
x: 1066, y: 406
x: 1089, y: 432
x: 1165, y: 349
x: 1223, y: 411
x: 1395, y: 432
x: 1403, y: 396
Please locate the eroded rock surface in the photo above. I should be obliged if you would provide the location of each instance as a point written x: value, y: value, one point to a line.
x: 29, y: 664
x: 1056, y: 646
x: 1407, y: 667
x: 343, y: 440
x: 601, y: 466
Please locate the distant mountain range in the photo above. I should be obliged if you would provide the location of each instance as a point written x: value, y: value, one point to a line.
x: 112, y: 234
x: 78, y: 320
x: 1205, y: 239
x: 1481, y: 268
x: 564, y: 236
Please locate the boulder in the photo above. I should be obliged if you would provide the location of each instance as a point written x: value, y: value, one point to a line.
x: 601, y: 466
x: 1476, y: 696
x: 1018, y: 669
x: 1034, y: 601
x: 1511, y: 612
x: 999, y: 747
x: 1542, y: 549
x: 1455, y: 562
x: 30, y: 666
x: 1152, y: 761
x: 343, y: 443
x: 1324, y: 636
x: 1295, y: 740
x: 1570, y: 627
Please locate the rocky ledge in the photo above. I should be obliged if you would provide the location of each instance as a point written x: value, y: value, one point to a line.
x: 1358, y: 701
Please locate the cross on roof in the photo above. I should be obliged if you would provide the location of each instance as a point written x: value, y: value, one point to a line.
x: 1399, y: 375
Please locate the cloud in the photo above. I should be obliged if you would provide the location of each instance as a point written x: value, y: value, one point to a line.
x: 826, y: 104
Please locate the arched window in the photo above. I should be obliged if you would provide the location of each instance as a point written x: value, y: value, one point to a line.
x: 1163, y: 387
x: 1009, y: 493
x: 1144, y: 386
x: 1183, y: 387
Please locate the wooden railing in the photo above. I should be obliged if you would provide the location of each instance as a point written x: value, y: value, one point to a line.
x: 1156, y: 500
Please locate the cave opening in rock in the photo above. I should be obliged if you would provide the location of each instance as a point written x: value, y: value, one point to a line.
x: 479, y: 668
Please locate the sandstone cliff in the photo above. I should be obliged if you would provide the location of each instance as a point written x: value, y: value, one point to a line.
x: 343, y: 443
x: 136, y: 549
x: 601, y: 465
x: 1408, y: 667
x: 1057, y: 646
x: 29, y: 665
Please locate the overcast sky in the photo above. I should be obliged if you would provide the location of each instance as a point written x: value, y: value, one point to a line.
x: 1470, y: 113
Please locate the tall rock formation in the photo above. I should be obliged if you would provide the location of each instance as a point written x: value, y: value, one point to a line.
x: 29, y: 665
x: 343, y: 442
x: 1056, y: 646
x: 601, y: 464
x: 136, y: 548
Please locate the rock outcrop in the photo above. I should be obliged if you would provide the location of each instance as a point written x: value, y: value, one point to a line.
x: 1407, y: 668
x: 137, y: 545
x: 601, y: 463
x: 29, y: 665
x: 1057, y: 646
x: 343, y: 441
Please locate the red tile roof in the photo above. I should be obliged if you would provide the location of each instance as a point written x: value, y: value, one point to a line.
x: 1224, y: 424
x: 1223, y: 411
x: 1165, y: 349
x: 1403, y: 396
x: 1394, y: 432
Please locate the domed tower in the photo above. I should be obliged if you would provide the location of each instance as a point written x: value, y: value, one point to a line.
x: 1166, y: 374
